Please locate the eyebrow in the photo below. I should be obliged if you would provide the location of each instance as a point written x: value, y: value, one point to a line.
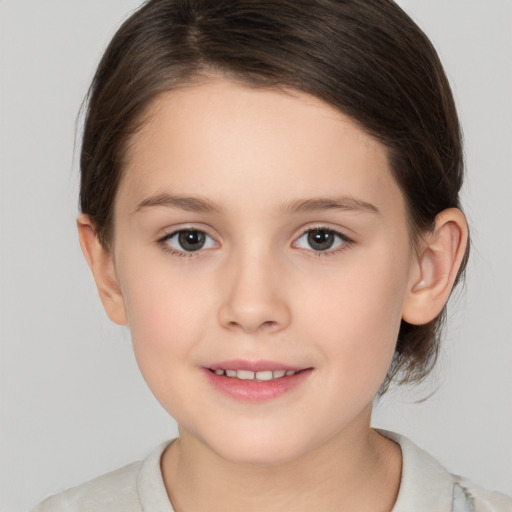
x: 201, y: 205
x: 330, y: 203
x: 189, y: 204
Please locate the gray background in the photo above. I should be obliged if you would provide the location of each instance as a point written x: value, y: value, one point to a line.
x: 72, y: 402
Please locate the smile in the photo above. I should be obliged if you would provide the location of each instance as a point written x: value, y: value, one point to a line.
x: 255, y: 381
x: 258, y: 376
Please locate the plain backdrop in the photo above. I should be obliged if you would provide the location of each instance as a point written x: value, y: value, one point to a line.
x: 73, y: 404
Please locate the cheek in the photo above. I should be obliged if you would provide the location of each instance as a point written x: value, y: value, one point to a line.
x: 165, y: 314
x: 357, y: 319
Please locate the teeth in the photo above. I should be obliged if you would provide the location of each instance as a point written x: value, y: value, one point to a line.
x: 257, y: 376
x: 268, y: 375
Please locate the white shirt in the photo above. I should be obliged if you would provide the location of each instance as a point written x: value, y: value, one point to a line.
x: 425, y: 486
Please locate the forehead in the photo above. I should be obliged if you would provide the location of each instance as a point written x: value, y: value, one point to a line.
x: 218, y: 138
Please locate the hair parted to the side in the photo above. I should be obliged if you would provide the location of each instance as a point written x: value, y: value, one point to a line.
x: 366, y: 58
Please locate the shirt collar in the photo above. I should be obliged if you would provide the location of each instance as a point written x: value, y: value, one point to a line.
x: 425, y: 485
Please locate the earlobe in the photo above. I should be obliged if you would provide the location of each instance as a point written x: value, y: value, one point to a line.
x: 101, y: 263
x: 438, y: 261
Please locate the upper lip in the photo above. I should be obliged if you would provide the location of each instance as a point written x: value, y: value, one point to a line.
x: 253, y: 366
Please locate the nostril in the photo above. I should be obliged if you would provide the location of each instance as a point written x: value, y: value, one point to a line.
x: 264, y: 326
x: 269, y: 324
x: 252, y: 317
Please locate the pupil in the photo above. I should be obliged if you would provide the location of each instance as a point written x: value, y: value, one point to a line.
x: 320, y: 239
x: 191, y: 240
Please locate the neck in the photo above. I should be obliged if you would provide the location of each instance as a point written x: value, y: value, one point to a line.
x: 353, y: 471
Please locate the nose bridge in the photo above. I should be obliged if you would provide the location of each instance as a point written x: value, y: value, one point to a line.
x: 253, y: 297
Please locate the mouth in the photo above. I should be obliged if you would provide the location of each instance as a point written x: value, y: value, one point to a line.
x: 255, y: 382
x: 258, y: 376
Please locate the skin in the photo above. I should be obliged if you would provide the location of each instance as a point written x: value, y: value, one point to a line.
x: 259, y: 291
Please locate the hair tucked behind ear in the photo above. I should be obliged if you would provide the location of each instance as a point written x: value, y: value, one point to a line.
x: 367, y: 58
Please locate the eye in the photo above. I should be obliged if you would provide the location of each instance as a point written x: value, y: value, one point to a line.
x: 188, y: 240
x: 321, y: 240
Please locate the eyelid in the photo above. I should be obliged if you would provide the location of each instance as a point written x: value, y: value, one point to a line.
x: 170, y: 233
x: 172, y: 230
x: 346, y: 240
x: 327, y: 226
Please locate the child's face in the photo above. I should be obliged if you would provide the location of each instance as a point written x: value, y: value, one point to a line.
x: 244, y: 174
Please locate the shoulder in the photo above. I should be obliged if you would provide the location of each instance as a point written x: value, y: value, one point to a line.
x: 483, y: 499
x: 122, y: 490
x: 426, y: 485
x: 115, y: 491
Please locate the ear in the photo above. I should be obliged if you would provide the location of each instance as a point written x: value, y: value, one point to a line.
x: 438, y: 261
x: 101, y: 263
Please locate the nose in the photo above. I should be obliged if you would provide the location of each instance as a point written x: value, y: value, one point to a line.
x: 253, y: 296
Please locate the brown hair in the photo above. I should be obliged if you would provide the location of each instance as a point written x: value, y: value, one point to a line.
x: 367, y: 58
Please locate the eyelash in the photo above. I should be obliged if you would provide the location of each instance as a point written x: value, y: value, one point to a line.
x: 163, y: 242
x: 346, y: 242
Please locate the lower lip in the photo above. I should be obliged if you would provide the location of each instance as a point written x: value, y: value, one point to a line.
x: 255, y: 391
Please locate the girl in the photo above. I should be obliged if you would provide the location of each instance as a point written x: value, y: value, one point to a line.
x: 270, y: 202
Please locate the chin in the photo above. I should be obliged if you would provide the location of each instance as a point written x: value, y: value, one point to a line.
x: 259, y: 448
